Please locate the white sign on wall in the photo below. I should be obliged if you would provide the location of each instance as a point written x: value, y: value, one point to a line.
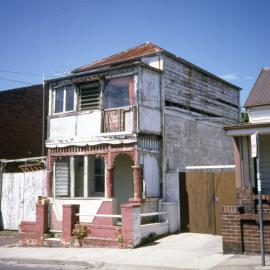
x: 253, y: 139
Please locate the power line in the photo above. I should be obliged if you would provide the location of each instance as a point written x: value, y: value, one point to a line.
x: 21, y: 73
x: 23, y: 82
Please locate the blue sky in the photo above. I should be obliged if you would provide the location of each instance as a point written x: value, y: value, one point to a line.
x: 228, y: 38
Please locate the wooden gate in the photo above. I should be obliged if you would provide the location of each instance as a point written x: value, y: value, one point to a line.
x: 19, y: 195
x: 202, y: 194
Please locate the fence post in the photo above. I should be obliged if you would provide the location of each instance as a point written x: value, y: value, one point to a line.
x: 41, y: 220
x: 131, y: 221
x: 69, y: 220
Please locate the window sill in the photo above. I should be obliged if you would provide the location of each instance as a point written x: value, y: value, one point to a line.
x: 79, y: 198
x: 61, y: 114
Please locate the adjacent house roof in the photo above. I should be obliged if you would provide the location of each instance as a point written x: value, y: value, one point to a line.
x: 145, y: 49
x: 260, y: 93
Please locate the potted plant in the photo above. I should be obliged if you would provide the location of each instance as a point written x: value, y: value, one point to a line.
x: 80, y: 232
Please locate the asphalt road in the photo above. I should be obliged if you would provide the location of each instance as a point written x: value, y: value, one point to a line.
x: 13, y: 265
x: 8, y: 266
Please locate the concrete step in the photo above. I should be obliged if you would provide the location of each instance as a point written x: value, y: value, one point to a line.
x: 56, y: 233
x: 99, y: 242
x: 52, y: 242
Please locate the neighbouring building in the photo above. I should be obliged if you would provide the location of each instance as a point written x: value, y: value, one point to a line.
x: 118, y: 130
x: 21, y: 122
x: 22, y: 169
x: 243, y: 218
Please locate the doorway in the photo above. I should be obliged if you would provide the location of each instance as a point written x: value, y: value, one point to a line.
x: 123, y: 181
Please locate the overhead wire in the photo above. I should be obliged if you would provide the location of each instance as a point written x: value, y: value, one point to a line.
x: 16, y: 81
x: 21, y: 73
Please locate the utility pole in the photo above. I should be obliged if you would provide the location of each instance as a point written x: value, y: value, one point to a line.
x: 43, y: 115
x: 255, y: 142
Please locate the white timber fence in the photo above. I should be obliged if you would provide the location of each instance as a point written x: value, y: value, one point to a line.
x: 20, y: 191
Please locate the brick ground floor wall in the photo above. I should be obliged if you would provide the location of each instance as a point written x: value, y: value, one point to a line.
x: 241, y: 233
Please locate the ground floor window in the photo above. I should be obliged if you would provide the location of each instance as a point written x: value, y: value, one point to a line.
x: 79, y: 176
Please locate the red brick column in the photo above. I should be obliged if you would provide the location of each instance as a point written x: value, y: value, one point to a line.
x: 110, y: 182
x: 41, y: 226
x: 137, y: 185
x: 130, y: 224
x: 69, y: 220
x: 231, y: 230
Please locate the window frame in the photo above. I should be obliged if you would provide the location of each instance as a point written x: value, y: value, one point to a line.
x: 64, y: 87
x: 131, y: 92
x: 72, y: 180
x: 99, y: 175
x: 85, y: 87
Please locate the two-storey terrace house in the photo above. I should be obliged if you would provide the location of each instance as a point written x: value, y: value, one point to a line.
x: 119, y: 128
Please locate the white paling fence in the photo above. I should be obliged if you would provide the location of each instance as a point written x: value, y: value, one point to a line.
x: 19, y: 196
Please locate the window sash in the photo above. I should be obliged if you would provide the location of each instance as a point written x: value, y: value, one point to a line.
x: 119, y: 92
x: 64, y: 99
x: 89, y: 96
x: 59, y: 100
x: 63, y: 177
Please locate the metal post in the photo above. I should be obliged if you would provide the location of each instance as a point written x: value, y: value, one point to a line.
x: 259, y: 186
x: 43, y: 115
x: 1, y: 184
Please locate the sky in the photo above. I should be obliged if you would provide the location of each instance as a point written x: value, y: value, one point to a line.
x: 228, y: 38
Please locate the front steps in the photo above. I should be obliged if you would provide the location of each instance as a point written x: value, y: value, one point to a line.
x: 53, y: 239
x: 99, y: 242
x: 95, y: 239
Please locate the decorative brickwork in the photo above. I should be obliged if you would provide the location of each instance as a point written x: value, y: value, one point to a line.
x: 240, y: 225
x: 245, y: 198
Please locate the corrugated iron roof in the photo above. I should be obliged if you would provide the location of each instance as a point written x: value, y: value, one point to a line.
x: 260, y: 93
x: 145, y: 49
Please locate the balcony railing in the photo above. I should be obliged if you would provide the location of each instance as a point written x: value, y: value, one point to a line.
x: 113, y: 120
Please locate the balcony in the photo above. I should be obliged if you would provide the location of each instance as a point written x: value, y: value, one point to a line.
x: 117, y: 120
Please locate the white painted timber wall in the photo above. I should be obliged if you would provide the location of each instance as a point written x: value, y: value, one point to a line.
x: 151, y: 175
x: 68, y: 127
x: 82, y: 127
x: 149, y: 100
x: 19, y: 196
x: 259, y: 114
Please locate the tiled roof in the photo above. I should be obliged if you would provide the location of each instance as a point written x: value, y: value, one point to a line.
x: 145, y: 49
x: 260, y: 93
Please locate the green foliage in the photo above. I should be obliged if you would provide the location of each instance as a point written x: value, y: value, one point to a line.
x: 81, y: 232
x: 119, y: 237
x: 244, y: 117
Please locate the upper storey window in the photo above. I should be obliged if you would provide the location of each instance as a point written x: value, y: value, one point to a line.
x: 64, y: 99
x: 89, y: 96
x: 118, y: 92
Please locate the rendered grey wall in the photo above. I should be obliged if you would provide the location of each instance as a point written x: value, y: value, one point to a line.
x: 189, y: 142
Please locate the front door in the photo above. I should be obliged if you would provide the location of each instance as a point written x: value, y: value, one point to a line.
x: 123, y: 183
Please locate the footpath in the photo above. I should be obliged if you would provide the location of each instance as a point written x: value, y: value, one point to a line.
x: 179, y: 251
